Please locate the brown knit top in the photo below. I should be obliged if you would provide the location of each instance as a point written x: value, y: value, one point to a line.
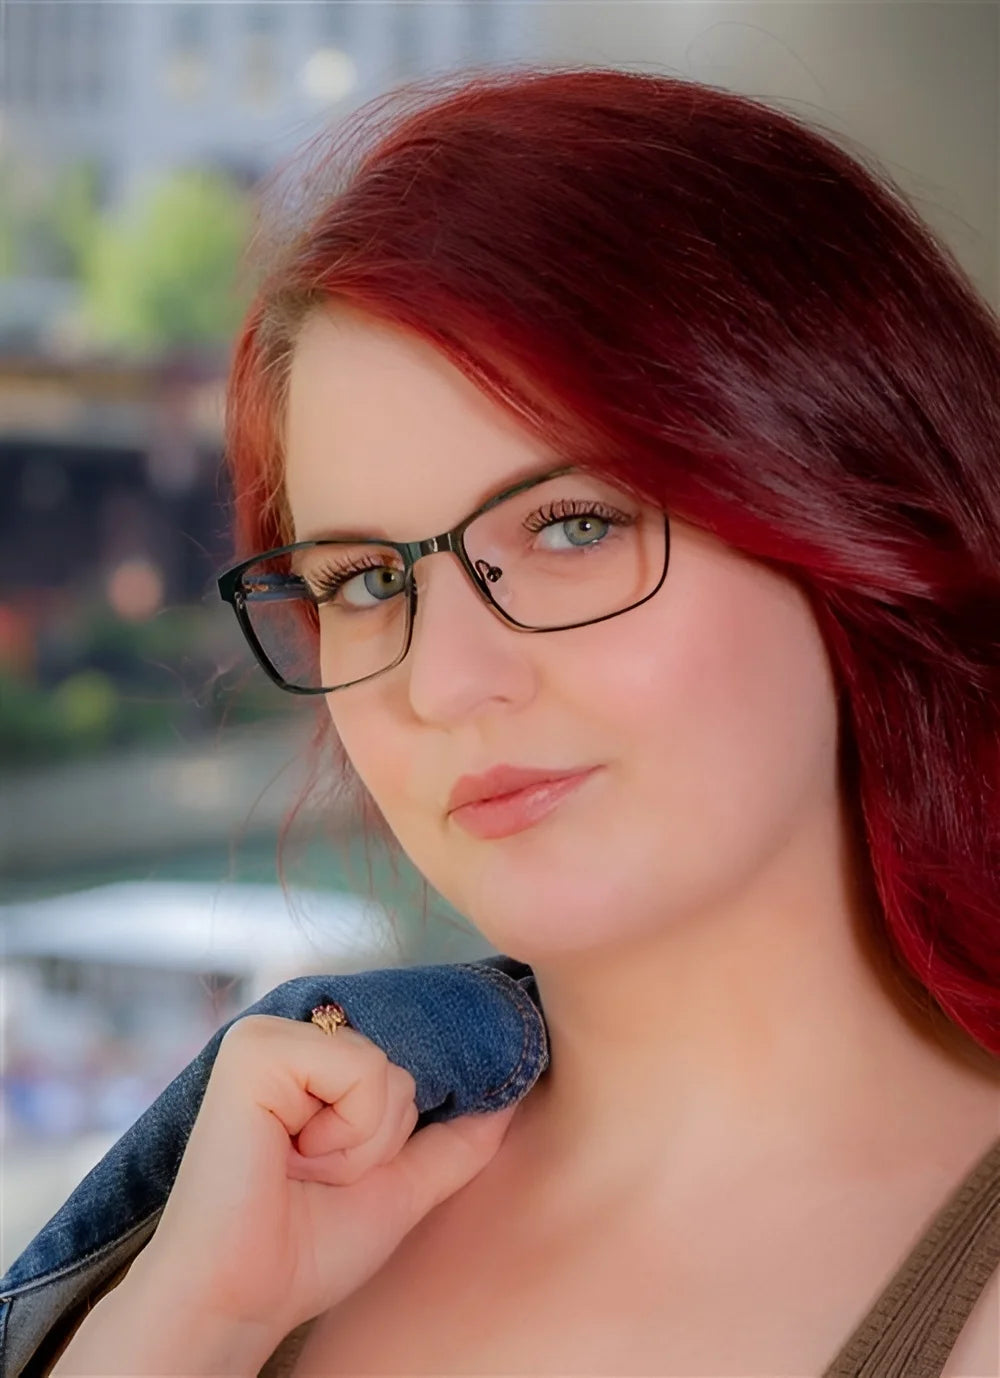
x: 916, y: 1320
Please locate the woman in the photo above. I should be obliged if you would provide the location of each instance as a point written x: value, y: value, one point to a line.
x: 708, y: 421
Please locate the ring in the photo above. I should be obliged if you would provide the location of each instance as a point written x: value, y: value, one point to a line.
x: 330, y: 1017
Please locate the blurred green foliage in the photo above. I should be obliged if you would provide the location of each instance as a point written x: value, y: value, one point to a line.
x: 162, y: 272
x: 158, y: 272
x: 8, y: 223
x: 47, y: 223
x: 81, y: 716
x: 112, y: 683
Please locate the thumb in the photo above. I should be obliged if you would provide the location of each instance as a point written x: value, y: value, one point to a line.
x: 440, y: 1158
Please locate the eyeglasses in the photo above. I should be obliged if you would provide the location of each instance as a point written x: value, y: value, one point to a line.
x: 557, y: 551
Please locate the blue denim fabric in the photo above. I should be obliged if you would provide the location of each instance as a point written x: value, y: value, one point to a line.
x: 471, y: 1034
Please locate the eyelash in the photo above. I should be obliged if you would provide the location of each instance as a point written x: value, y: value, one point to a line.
x: 329, y: 582
x: 565, y: 508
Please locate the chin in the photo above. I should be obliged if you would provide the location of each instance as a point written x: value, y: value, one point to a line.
x: 529, y: 915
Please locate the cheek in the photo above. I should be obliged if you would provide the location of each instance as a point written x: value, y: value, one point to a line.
x: 360, y: 729
x: 383, y: 759
x: 387, y: 765
x: 715, y: 713
x: 725, y: 710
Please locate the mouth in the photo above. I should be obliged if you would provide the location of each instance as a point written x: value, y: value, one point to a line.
x: 502, y: 815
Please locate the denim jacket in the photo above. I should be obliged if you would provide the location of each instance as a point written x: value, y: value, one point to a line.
x: 471, y: 1034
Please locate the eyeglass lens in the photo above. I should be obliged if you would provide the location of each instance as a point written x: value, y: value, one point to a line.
x: 564, y: 552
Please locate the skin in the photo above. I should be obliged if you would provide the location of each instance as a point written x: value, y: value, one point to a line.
x: 693, y: 913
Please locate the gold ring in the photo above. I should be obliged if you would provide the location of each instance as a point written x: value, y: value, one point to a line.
x: 329, y: 1018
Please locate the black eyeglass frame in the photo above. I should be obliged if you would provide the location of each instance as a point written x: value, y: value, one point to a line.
x: 410, y: 552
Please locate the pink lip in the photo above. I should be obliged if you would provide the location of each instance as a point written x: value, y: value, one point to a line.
x: 505, y: 814
x: 470, y: 789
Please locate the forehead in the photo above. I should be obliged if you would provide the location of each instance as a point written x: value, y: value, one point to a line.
x: 385, y: 434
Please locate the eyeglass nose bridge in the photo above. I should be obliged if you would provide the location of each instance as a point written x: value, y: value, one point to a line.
x: 452, y: 541
x: 448, y: 540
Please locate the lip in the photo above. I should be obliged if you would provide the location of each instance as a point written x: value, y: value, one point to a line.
x: 503, y: 780
x: 506, y: 814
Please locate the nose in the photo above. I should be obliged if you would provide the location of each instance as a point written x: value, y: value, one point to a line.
x: 463, y: 658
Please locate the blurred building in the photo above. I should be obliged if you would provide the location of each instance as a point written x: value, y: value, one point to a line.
x: 103, y: 463
x: 147, y: 87
x: 107, y: 459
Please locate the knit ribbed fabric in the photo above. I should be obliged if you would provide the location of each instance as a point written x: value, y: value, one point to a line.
x: 914, y: 1324
x: 283, y: 1360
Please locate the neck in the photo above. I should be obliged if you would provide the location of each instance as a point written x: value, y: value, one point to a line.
x: 773, y: 1029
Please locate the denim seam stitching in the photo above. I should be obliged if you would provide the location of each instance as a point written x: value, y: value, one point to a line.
x: 68, y: 1269
x: 515, y: 996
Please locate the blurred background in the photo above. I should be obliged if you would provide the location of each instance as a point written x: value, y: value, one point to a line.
x: 145, y: 764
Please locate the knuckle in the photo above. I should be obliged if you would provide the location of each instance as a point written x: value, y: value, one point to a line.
x: 375, y: 1062
x: 361, y: 1043
x: 352, y: 1170
x: 379, y: 1057
x: 246, y: 1028
x: 404, y: 1083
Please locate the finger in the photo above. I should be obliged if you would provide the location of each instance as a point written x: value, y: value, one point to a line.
x: 439, y: 1159
x: 343, y: 1167
x: 328, y: 1130
x: 286, y: 1066
x: 407, y: 1124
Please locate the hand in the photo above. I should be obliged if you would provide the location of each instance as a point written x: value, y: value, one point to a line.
x: 300, y: 1176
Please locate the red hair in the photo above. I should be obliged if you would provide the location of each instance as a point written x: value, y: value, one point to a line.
x: 708, y: 298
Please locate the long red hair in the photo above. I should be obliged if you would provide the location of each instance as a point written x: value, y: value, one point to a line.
x: 725, y: 307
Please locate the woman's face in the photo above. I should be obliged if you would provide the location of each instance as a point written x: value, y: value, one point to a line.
x: 709, y: 710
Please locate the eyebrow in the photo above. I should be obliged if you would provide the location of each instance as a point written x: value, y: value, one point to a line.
x: 373, y: 533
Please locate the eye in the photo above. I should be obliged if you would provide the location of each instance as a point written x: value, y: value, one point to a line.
x: 581, y: 523
x: 578, y: 531
x: 349, y: 584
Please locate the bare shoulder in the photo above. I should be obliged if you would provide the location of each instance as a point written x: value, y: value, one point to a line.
x: 977, y: 1350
